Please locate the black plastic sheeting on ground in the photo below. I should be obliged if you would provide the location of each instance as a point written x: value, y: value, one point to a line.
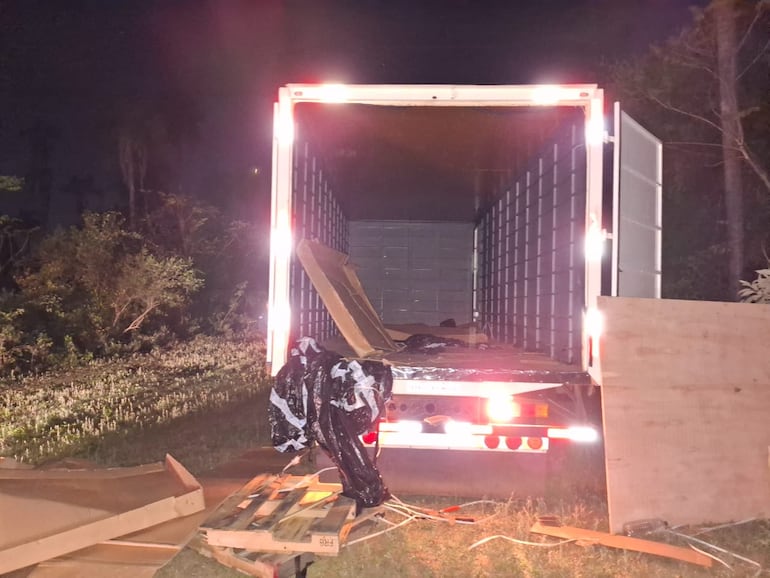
x: 320, y: 397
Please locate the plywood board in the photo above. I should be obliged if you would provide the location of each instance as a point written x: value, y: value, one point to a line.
x: 344, y: 297
x: 140, y: 554
x: 55, y: 513
x: 686, y: 403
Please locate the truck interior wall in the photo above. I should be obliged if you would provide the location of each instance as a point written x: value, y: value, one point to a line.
x: 316, y: 215
x: 415, y: 271
x: 531, y: 258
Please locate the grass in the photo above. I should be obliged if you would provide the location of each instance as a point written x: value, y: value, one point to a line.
x: 205, y: 403
x: 202, y: 398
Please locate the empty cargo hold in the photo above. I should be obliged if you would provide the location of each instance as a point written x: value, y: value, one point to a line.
x: 474, y: 213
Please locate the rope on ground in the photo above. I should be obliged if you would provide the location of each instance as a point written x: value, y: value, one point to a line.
x: 517, y: 541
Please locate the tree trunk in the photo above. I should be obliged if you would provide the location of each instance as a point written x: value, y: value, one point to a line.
x: 732, y: 137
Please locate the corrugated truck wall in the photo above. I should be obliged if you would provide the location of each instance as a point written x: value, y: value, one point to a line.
x: 531, y: 261
x: 318, y: 216
x: 415, y: 271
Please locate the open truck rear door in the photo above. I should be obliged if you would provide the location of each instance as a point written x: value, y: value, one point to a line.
x: 637, y: 199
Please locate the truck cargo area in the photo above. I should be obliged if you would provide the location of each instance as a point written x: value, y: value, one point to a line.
x: 461, y: 215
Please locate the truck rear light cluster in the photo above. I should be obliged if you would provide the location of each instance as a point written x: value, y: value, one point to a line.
x: 461, y: 435
x: 516, y: 442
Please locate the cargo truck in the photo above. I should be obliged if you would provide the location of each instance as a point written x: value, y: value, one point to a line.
x: 490, y: 217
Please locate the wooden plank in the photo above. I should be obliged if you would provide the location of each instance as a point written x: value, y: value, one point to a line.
x: 228, y: 508
x: 686, y: 399
x: 264, y: 541
x: 90, y: 525
x: 259, y: 564
x: 246, y: 515
x: 112, y: 558
x: 624, y: 542
x: 290, y: 500
x: 342, y: 510
x: 344, y: 296
x: 83, y: 474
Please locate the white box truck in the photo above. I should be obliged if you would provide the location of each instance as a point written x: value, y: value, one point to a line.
x: 497, y: 212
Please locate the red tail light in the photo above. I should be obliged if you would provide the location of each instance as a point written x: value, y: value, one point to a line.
x: 513, y: 443
x: 491, y: 442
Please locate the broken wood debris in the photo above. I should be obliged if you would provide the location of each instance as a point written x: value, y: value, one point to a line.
x: 550, y: 527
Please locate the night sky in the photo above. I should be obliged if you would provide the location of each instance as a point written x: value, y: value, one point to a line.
x: 210, y: 69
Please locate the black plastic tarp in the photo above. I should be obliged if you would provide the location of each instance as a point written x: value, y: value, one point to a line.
x: 320, y: 397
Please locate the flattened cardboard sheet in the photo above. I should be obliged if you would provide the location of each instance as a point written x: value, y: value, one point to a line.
x: 342, y: 293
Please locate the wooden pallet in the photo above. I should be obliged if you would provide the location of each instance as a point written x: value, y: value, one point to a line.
x: 276, y: 525
x: 283, y: 514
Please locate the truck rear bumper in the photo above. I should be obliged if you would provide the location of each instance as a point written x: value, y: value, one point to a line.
x: 522, y: 439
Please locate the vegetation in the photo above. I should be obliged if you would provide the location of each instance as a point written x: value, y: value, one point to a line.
x: 758, y: 290
x: 704, y: 94
x: 130, y: 410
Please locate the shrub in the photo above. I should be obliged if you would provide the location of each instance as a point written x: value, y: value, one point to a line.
x: 21, y: 350
x: 226, y: 252
x: 100, y: 284
x: 758, y: 290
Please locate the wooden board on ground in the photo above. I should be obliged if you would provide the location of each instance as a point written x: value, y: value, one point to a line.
x: 686, y: 400
x: 140, y: 554
x: 55, y: 512
x: 344, y: 297
x: 283, y: 514
x: 624, y: 542
x: 116, y: 560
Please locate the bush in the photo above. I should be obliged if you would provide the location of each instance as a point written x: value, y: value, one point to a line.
x: 21, y: 350
x: 226, y: 252
x: 758, y: 290
x: 101, y: 284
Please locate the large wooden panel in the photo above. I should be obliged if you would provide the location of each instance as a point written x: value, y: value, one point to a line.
x: 344, y: 297
x: 686, y: 401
